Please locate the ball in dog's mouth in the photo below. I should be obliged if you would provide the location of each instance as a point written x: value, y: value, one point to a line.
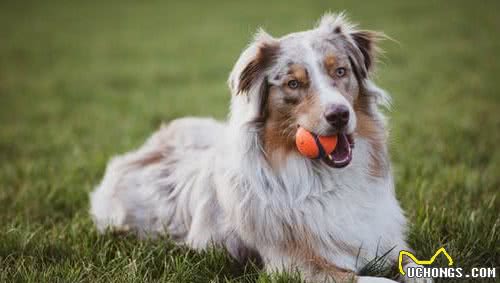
x: 335, y: 150
x: 342, y: 154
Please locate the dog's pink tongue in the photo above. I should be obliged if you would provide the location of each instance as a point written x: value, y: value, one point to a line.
x: 342, y: 154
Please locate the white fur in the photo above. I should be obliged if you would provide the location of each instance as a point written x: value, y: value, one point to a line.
x: 213, y: 185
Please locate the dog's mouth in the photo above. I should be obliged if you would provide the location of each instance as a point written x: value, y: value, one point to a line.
x: 342, y: 154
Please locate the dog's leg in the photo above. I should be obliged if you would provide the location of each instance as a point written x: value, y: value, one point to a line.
x: 159, y: 187
x: 130, y: 196
x: 207, y: 229
x: 112, y: 204
x: 240, y: 251
x: 312, y: 267
x: 204, y: 229
x: 330, y: 275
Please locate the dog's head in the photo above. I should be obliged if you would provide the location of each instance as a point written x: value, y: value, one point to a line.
x: 317, y: 79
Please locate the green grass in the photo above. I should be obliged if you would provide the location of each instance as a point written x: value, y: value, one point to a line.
x: 81, y: 81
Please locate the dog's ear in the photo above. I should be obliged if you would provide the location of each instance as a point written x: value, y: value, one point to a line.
x: 249, y: 71
x: 366, y: 41
x: 362, y: 44
x: 362, y: 49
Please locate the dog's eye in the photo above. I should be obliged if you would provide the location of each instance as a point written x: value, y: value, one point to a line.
x: 293, y: 84
x: 340, y: 72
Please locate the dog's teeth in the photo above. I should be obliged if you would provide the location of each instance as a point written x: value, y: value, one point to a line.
x: 330, y: 157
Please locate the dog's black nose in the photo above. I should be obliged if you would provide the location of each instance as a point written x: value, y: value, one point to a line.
x: 337, y: 115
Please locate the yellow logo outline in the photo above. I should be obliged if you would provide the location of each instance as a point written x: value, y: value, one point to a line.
x: 422, y: 262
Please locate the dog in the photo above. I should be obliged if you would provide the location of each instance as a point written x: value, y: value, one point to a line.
x: 242, y: 184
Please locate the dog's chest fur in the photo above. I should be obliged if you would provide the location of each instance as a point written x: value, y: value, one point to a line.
x: 338, y: 214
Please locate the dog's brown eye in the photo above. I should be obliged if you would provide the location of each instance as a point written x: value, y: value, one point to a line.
x: 293, y: 84
x: 340, y: 72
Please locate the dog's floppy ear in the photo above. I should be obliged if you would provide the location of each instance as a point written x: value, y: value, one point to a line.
x: 366, y: 41
x: 249, y: 71
x: 362, y: 44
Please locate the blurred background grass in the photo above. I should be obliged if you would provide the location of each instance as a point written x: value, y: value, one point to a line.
x: 83, y: 80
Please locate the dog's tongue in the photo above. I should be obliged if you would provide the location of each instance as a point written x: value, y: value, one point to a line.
x: 342, y: 154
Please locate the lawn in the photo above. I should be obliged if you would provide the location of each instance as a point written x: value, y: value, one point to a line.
x: 81, y: 81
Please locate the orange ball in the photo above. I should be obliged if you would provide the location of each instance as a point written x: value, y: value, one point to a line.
x: 307, y: 146
x: 329, y: 143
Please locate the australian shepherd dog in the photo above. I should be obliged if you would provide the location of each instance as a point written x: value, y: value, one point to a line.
x: 243, y: 185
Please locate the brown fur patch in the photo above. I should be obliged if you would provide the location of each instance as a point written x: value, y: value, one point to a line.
x: 330, y: 63
x: 310, y: 106
x: 265, y: 57
x: 277, y: 141
x: 278, y: 134
x: 299, y: 73
x: 279, y: 129
x: 373, y: 131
